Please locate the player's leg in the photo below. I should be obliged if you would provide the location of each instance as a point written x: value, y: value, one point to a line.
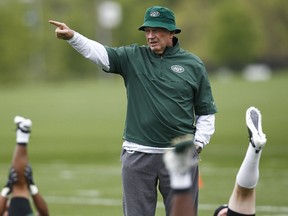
x: 243, y: 197
x: 20, y: 156
x: 168, y: 194
x: 179, y: 163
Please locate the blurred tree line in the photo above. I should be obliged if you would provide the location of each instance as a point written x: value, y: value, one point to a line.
x: 230, y: 33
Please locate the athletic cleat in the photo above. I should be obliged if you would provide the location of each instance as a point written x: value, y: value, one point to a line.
x: 183, y: 156
x: 181, y: 143
x: 23, y: 124
x: 254, y: 124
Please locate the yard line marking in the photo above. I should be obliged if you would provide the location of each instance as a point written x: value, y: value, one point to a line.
x: 82, y: 200
x: 281, y: 210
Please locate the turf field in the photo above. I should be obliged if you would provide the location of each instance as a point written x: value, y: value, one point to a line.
x: 76, y: 142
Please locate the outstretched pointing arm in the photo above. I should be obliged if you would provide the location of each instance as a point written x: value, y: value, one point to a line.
x: 90, y: 49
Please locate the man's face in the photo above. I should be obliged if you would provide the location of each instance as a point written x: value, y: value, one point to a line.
x: 158, y: 39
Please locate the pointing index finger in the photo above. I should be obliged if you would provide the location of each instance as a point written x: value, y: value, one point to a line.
x: 56, y: 23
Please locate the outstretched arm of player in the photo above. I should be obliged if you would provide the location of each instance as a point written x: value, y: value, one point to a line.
x: 38, y: 200
x: 3, y: 204
x: 7, y: 189
x: 40, y: 205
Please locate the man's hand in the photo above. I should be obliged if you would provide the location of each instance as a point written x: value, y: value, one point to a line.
x: 62, y: 31
x: 199, y: 145
x: 198, y: 148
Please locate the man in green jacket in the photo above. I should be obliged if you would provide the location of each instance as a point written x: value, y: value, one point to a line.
x: 168, y: 95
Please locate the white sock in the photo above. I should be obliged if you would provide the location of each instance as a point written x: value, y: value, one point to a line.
x: 22, y: 137
x: 180, y: 181
x: 248, y: 173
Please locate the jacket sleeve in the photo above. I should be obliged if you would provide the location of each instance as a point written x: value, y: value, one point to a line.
x: 91, y: 50
x: 205, y: 127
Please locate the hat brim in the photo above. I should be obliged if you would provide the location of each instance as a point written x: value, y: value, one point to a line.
x: 169, y: 27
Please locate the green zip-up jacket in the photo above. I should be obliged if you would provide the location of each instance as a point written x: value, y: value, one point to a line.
x: 164, y: 93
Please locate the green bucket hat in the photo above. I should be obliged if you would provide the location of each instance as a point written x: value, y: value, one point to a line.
x: 161, y: 17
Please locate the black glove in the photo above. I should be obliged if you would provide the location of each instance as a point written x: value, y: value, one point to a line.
x: 12, y: 178
x: 30, y: 181
x: 29, y: 175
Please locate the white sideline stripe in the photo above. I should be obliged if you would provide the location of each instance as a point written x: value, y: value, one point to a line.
x: 84, y: 201
x: 117, y: 202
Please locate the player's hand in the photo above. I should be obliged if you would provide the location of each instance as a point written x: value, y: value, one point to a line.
x: 12, y: 178
x: 30, y: 181
x: 62, y: 31
x: 29, y: 175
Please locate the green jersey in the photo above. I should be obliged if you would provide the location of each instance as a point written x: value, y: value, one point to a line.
x: 164, y: 93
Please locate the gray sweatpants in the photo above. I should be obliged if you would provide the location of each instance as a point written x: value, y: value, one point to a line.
x: 142, y: 173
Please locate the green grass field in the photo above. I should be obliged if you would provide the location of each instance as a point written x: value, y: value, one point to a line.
x: 76, y: 142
